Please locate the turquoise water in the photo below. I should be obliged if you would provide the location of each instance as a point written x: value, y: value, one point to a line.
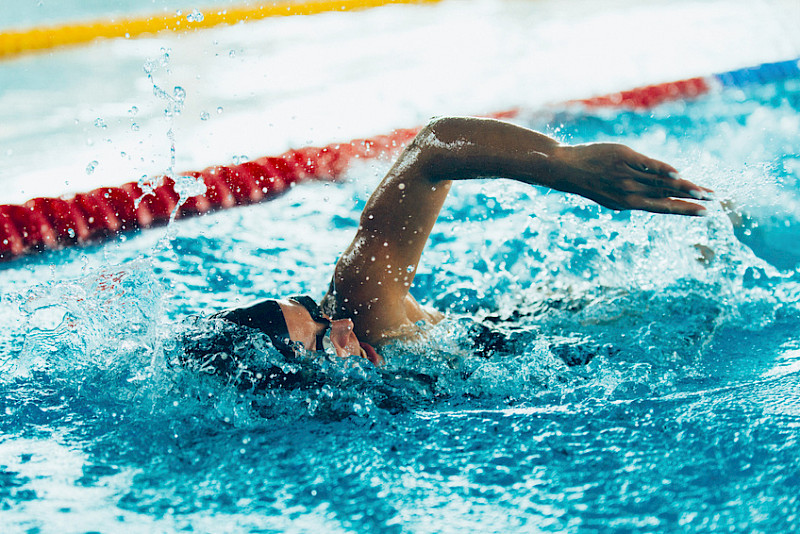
x: 685, y: 418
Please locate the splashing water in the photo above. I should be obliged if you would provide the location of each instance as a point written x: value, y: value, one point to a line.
x: 185, y: 186
x: 598, y: 371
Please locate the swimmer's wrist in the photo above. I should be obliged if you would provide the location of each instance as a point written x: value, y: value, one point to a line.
x: 560, y: 168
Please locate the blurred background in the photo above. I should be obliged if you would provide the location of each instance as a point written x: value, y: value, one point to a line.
x: 116, y: 110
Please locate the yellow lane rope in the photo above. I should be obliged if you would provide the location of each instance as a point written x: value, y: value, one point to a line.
x: 17, y: 42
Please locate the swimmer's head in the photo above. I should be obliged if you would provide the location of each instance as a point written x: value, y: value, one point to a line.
x: 300, y: 320
x: 307, y: 325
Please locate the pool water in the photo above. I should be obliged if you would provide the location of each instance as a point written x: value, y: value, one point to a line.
x: 679, y: 410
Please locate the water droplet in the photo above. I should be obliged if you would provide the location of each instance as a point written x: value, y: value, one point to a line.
x: 134, y: 110
x: 401, y: 186
x: 179, y: 93
x: 91, y: 166
x: 410, y: 269
x: 189, y: 186
x: 194, y: 16
x: 134, y: 127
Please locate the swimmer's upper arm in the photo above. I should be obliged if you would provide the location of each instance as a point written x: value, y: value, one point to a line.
x: 374, y: 274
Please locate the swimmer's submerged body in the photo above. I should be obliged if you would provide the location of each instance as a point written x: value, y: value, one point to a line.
x: 368, y: 302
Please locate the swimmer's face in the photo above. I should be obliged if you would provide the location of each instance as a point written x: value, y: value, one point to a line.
x: 302, y: 328
x: 344, y: 340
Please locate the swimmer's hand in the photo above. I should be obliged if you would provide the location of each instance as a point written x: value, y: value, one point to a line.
x: 620, y: 178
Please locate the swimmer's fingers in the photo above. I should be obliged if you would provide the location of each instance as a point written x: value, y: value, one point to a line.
x: 618, y: 177
x: 649, y: 166
x: 666, y: 205
x: 659, y: 187
x: 662, y: 180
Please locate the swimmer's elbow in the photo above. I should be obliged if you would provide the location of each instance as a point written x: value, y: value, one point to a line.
x: 437, y: 147
x: 434, y: 136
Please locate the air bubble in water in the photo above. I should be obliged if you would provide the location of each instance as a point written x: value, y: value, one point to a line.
x: 204, y: 116
x: 100, y: 123
x: 91, y: 166
x: 219, y: 110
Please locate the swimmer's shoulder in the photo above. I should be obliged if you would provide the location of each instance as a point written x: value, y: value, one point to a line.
x: 417, y: 320
x: 405, y: 325
x: 417, y: 312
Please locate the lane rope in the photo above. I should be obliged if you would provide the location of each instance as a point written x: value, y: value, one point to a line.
x: 652, y: 95
x: 16, y: 42
x: 51, y: 223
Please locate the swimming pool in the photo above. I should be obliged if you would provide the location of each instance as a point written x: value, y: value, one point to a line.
x: 686, y: 418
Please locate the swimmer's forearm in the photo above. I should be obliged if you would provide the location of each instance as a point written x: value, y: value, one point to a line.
x: 612, y: 175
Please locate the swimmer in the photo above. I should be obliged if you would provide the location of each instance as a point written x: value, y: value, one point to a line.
x: 368, y: 302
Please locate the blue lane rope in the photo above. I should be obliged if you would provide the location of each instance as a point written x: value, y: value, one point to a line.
x: 764, y: 73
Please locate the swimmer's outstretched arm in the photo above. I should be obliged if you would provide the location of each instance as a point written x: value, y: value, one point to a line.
x: 373, y: 276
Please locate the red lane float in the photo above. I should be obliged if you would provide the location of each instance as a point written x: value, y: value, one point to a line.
x: 51, y: 223
x: 649, y: 96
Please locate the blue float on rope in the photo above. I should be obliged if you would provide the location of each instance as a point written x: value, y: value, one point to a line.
x: 764, y: 73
